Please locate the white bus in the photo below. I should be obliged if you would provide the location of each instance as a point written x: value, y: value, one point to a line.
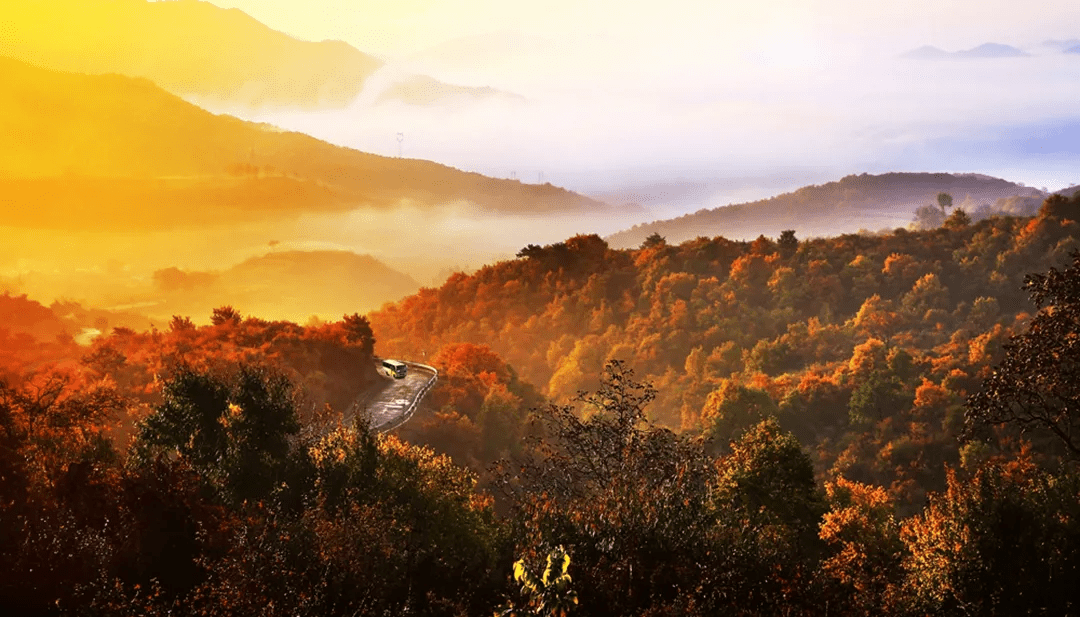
x: 395, y: 369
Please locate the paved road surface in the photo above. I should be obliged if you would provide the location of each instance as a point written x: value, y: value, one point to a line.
x: 392, y: 406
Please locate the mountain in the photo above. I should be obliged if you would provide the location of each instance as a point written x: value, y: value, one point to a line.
x: 677, y: 311
x: 1061, y: 44
x: 283, y: 285
x: 223, y: 58
x: 990, y: 50
x: 926, y: 52
x: 423, y: 90
x: 187, y: 47
x: 852, y: 203
x: 113, y: 152
x: 1073, y: 50
x: 986, y: 50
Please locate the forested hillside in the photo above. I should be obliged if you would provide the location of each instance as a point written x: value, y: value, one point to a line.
x: 222, y: 502
x: 848, y: 205
x: 331, y: 362
x: 864, y: 346
x: 825, y: 457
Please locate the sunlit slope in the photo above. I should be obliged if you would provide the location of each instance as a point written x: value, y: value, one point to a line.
x: 106, y: 151
x: 872, y: 202
x: 282, y: 285
x: 187, y: 47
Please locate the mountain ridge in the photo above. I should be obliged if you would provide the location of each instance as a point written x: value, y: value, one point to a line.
x: 112, y: 142
x: 854, y: 202
x: 194, y: 49
x: 986, y: 50
x: 188, y: 47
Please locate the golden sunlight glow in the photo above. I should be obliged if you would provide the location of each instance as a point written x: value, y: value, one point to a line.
x: 154, y: 201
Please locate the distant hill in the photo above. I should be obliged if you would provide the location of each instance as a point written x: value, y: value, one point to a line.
x: 363, y: 277
x: 24, y: 317
x: 221, y: 57
x: 284, y: 285
x: 18, y: 314
x: 187, y: 47
x: 865, y: 201
x: 926, y: 52
x: 423, y: 90
x: 106, y: 151
x: 986, y: 50
x: 1061, y: 45
x: 1073, y: 50
x: 991, y: 50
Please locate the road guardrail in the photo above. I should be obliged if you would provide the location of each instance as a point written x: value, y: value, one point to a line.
x: 404, y: 417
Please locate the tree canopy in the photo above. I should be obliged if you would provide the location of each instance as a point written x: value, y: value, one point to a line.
x: 1036, y: 386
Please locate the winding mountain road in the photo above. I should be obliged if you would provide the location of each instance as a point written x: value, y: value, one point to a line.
x: 393, y: 404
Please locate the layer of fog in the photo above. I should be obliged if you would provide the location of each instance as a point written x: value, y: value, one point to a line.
x: 748, y: 126
x: 116, y: 270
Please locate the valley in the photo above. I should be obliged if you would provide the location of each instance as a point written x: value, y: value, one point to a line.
x: 399, y: 307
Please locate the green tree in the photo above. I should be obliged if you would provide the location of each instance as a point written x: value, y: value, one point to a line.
x: 768, y: 507
x: 732, y: 408
x: 769, y: 479
x: 233, y: 430
x: 945, y: 202
x: 787, y: 243
x: 399, y: 528
x: 654, y: 239
x: 877, y: 396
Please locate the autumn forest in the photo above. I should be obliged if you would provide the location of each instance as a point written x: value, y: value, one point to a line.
x: 592, y: 309
x: 844, y: 425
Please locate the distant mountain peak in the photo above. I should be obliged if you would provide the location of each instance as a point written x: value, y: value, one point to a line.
x: 425, y: 90
x: 1062, y: 45
x: 986, y: 50
x: 991, y: 50
x: 925, y: 52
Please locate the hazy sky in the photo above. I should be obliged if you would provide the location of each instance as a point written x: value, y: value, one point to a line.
x: 786, y: 92
x: 674, y: 28
x: 677, y: 105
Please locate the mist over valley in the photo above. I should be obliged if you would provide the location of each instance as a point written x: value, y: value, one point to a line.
x: 583, y: 308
